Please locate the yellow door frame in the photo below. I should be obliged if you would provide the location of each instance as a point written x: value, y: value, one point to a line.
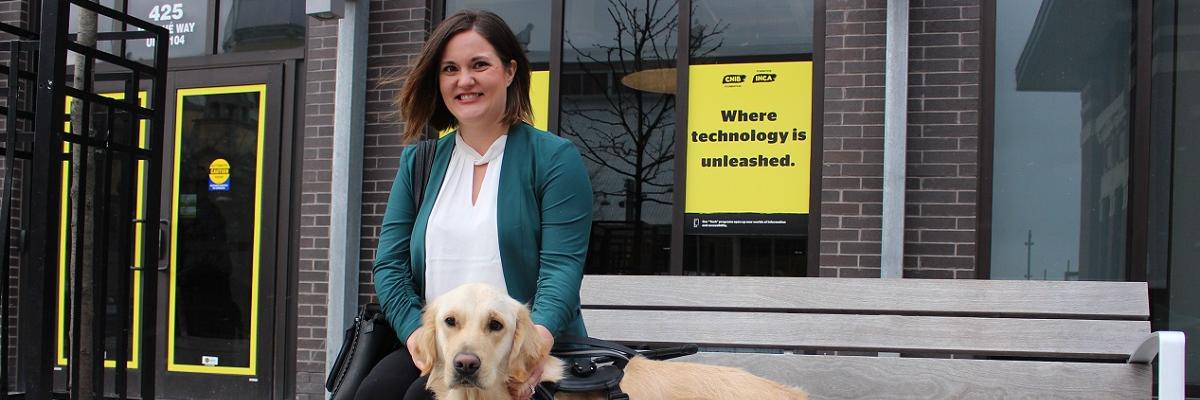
x: 172, y: 366
x: 60, y: 335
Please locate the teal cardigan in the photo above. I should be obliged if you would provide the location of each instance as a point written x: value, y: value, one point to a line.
x: 543, y: 219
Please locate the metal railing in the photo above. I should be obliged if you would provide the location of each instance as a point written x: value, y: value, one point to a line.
x: 99, y: 162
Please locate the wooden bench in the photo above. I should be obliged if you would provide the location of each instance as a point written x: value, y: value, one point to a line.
x: 956, y: 339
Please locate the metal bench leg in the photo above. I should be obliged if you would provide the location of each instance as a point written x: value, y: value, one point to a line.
x: 1169, y: 347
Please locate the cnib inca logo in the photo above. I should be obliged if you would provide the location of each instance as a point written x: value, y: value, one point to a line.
x: 733, y: 78
x: 761, y: 78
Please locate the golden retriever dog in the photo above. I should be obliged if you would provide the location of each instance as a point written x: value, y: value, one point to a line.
x: 475, y: 339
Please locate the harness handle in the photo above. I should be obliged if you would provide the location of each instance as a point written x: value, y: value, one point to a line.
x: 577, y: 345
x: 668, y: 353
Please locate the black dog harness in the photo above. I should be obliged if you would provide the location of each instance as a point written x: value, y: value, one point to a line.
x: 598, y: 366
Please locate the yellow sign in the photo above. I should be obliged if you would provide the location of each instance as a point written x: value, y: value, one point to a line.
x: 218, y: 171
x: 749, y: 147
x: 539, y: 98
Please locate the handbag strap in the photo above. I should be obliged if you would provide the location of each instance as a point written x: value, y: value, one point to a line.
x: 422, y: 166
x: 349, y: 346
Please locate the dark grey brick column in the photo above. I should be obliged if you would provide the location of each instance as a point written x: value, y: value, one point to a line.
x: 396, y: 30
x: 943, y: 126
x: 13, y: 13
x: 943, y: 138
x: 852, y: 171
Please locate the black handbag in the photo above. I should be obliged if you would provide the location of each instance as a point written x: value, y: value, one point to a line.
x: 370, y: 338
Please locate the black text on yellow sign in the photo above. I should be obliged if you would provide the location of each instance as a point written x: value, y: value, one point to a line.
x: 749, y: 148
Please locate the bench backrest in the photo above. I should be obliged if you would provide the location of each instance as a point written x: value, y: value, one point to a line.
x: 1094, y: 326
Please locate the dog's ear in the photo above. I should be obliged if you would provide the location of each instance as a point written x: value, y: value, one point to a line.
x: 424, y: 340
x: 528, y: 348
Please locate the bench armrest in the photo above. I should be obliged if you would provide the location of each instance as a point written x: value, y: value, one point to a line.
x: 1169, y: 346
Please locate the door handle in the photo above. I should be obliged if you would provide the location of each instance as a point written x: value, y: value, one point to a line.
x: 163, y: 226
x: 164, y: 247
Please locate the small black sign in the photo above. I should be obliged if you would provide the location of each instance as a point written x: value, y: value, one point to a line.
x: 746, y: 224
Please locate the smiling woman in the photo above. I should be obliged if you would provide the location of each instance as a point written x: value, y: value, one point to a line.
x: 506, y: 204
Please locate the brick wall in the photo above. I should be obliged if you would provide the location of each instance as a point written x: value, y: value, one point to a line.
x: 396, y: 29
x: 852, y: 170
x: 13, y: 13
x: 943, y: 126
x: 943, y: 138
x: 944, y: 50
x: 317, y: 163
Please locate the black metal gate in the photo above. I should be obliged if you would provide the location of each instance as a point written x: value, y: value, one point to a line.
x: 115, y: 167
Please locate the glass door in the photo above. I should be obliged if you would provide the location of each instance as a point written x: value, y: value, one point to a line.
x: 126, y: 195
x: 221, y: 186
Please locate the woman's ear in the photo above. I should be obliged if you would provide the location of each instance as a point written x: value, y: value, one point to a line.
x: 510, y: 71
x: 424, y: 342
x: 528, y: 348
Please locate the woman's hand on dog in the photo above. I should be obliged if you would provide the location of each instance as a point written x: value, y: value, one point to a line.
x: 524, y: 390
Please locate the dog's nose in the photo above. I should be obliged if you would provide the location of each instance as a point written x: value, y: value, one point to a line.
x: 466, y: 364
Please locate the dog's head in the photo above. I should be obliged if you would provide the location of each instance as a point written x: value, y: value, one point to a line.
x: 476, y: 337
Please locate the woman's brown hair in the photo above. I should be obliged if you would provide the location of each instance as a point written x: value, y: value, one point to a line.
x: 420, y: 101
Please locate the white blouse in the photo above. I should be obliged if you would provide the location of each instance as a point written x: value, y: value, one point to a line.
x: 461, y: 243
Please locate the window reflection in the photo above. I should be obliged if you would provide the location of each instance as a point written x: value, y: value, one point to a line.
x: 250, y: 25
x: 103, y: 24
x: 624, y: 126
x: 1185, y: 249
x: 745, y: 30
x: 529, y: 19
x: 746, y: 256
x: 1061, y: 139
x: 1175, y: 176
x: 216, y: 222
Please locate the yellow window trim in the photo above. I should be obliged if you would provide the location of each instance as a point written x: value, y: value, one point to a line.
x: 172, y: 366
x: 137, y: 250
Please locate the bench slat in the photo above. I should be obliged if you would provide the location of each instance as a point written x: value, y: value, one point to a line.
x: 959, y: 335
x: 1045, y: 299
x: 847, y: 377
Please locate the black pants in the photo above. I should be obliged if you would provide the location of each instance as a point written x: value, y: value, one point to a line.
x: 394, y: 374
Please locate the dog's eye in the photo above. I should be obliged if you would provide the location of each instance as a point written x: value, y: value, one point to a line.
x: 495, y: 325
x: 450, y: 321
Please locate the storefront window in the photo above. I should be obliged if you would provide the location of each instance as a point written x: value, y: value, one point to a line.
x: 1175, y: 176
x: 250, y: 25
x: 529, y: 19
x: 740, y: 29
x: 103, y: 24
x: 187, y: 21
x: 745, y: 256
x: 618, y: 106
x: 748, y: 153
x: 1061, y: 139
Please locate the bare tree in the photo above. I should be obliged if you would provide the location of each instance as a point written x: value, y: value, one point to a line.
x: 629, y: 132
x: 86, y: 192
